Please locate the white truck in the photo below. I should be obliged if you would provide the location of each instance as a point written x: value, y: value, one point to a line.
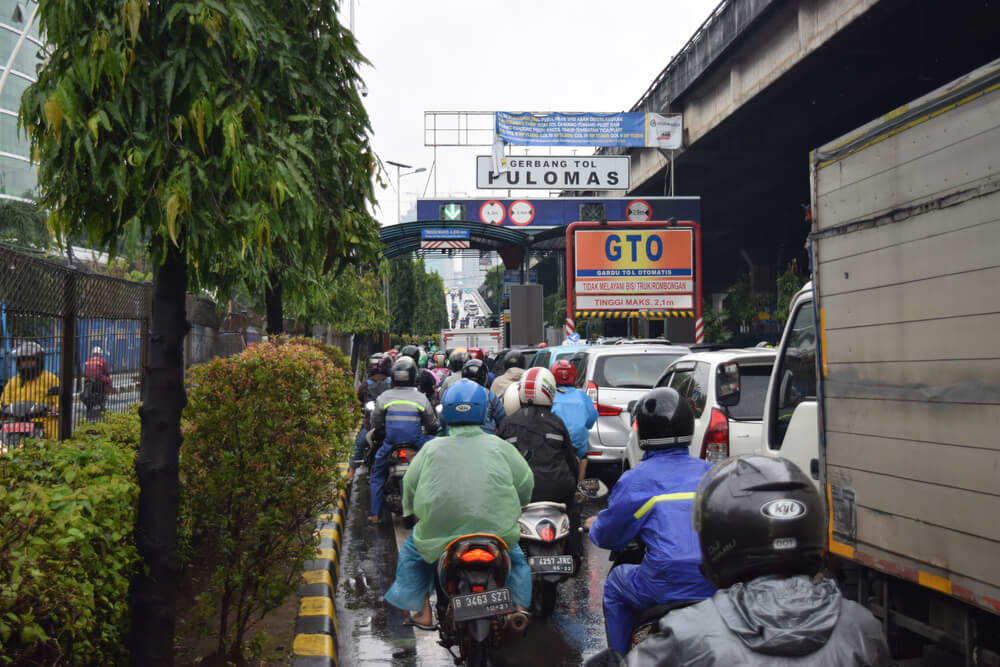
x: 487, y: 338
x: 895, y: 406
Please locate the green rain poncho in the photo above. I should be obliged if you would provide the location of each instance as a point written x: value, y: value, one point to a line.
x: 467, y: 482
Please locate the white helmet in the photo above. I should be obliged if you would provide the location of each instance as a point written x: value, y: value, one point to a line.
x: 29, y: 349
x: 97, y: 350
x: 538, y: 386
x: 512, y: 398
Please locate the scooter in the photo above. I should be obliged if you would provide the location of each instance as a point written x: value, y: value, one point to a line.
x: 18, y: 423
x: 93, y: 397
x: 399, y: 461
x: 473, y: 606
x: 545, y: 541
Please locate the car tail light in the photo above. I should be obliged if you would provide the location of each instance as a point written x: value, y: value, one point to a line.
x: 608, y: 410
x: 715, y: 447
x: 592, y: 391
x: 547, y: 531
x: 477, y: 556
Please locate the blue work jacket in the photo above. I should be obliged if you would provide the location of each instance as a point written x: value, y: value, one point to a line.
x: 578, y: 413
x: 652, y: 503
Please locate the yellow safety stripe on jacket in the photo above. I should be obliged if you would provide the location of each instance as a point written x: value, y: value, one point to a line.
x: 404, y: 402
x: 641, y: 512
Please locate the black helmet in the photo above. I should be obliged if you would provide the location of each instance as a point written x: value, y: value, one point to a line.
x: 665, y: 420
x: 513, y: 359
x: 457, y: 360
x: 758, y: 515
x: 373, y: 363
x: 404, y: 372
x: 475, y: 370
x: 426, y: 382
x: 25, y: 351
x: 411, y: 351
x: 385, y: 365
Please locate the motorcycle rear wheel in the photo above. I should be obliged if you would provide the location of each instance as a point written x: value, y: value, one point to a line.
x: 475, y: 654
x: 547, y: 598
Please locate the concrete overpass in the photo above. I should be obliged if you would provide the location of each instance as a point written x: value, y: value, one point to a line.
x: 763, y: 82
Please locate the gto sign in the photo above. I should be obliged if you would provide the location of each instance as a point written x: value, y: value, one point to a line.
x: 594, y: 172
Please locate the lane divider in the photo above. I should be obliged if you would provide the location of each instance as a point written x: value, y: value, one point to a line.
x: 315, y: 643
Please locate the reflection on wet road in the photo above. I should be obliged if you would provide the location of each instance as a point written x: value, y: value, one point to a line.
x: 372, y: 632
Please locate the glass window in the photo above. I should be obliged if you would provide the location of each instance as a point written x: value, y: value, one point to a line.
x: 12, y: 140
x: 580, y: 361
x: 797, y: 374
x: 541, y: 359
x: 17, y: 177
x: 631, y: 371
x: 691, y: 382
x: 27, y: 59
x: 13, y: 90
x: 753, y: 390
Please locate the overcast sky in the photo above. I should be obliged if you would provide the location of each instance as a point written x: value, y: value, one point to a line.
x: 502, y: 55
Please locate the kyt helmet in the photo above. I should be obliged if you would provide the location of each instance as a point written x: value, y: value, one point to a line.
x: 537, y: 387
x: 457, y: 360
x: 512, y: 398
x: 564, y: 372
x: 465, y: 402
x: 404, y: 372
x: 513, y: 359
x: 758, y: 515
x: 665, y: 420
x: 475, y: 370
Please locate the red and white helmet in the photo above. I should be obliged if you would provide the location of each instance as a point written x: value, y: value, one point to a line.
x: 564, y: 372
x: 537, y: 387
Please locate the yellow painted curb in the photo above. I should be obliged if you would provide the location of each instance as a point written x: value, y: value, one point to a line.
x: 309, y: 645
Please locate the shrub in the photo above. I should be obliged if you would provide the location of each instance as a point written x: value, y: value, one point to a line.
x: 263, y: 433
x: 67, y: 511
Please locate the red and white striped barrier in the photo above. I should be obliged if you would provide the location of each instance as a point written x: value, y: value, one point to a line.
x: 570, y: 327
x: 699, y: 330
x: 443, y: 244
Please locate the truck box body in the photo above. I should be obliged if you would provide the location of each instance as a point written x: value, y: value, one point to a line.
x: 487, y: 338
x: 906, y: 277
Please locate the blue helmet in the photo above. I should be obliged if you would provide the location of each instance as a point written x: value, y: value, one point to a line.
x: 465, y: 402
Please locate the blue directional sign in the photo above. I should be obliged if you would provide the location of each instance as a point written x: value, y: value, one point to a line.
x: 561, y: 211
x: 444, y: 234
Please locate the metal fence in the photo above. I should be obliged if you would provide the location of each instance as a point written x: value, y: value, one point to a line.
x: 61, y: 317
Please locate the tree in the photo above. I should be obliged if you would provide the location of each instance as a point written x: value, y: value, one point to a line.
x: 431, y: 313
x: 169, y: 121
x: 492, y: 288
x: 416, y: 298
x: 22, y: 224
x: 402, y: 294
x: 788, y: 284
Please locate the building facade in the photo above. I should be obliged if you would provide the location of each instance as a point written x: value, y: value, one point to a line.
x: 18, y: 176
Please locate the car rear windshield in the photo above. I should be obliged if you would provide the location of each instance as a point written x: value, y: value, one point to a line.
x: 631, y: 371
x: 753, y: 389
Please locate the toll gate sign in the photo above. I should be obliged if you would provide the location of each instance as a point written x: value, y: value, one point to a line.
x: 634, y: 269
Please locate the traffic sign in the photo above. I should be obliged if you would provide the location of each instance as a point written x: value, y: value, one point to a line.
x: 594, y: 172
x: 492, y: 212
x: 452, y: 211
x: 522, y: 212
x: 638, y: 211
x: 562, y: 211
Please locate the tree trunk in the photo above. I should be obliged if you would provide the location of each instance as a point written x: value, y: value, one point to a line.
x: 275, y: 310
x: 163, y: 400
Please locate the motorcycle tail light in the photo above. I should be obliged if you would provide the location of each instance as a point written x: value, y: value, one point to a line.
x: 478, y: 589
x: 547, y: 531
x: 477, y: 556
x: 403, y: 456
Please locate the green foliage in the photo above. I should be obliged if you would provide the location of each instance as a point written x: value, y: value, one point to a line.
x: 264, y: 432
x: 554, y: 308
x: 66, y: 552
x: 22, y: 224
x: 743, y: 302
x: 416, y: 298
x: 492, y: 288
x: 714, y: 322
x: 788, y: 284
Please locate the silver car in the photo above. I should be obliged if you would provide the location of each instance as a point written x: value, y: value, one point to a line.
x: 613, y: 375
x: 719, y: 432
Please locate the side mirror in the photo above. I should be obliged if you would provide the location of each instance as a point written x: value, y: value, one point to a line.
x: 592, y: 489
x: 727, y: 384
x: 631, y: 408
x: 54, y: 391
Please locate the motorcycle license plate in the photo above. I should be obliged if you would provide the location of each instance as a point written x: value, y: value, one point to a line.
x: 19, y: 427
x: 481, y: 605
x: 551, y: 564
x: 399, y: 469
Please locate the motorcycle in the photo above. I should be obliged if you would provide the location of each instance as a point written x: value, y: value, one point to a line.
x: 399, y: 461
x: 544, y: 540
x: 18, y: 423
x: 93, y: 396
x: 473, y: 605
x: 368, y: 455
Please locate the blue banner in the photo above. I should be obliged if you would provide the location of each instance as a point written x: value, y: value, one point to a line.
x: 572, y: 129
x: 560, y: 211
x: 444, y: 234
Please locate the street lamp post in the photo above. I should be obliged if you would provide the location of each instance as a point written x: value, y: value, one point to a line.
x: 399, y: 195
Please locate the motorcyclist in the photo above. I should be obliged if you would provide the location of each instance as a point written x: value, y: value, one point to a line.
x: 542, y: 438
x: 467, y: 482
x: 33, y: 383
x: 440, y: 369
x: 426, y: 381
x: 475, y: 370
x: 97, y: 368
x: 771, y: 607
x: 378, y: 367
x: 575, y: 408
x: 456, y: 360
x: 401, y: 415
x: 513, y: 369
x: 652, y: 504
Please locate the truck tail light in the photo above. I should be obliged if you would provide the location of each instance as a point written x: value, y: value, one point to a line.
x: 715, y: 447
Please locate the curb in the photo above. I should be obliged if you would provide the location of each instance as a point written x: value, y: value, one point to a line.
x: 315, y: 643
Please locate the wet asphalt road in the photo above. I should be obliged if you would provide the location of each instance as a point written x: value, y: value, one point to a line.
x: 371, y: 632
